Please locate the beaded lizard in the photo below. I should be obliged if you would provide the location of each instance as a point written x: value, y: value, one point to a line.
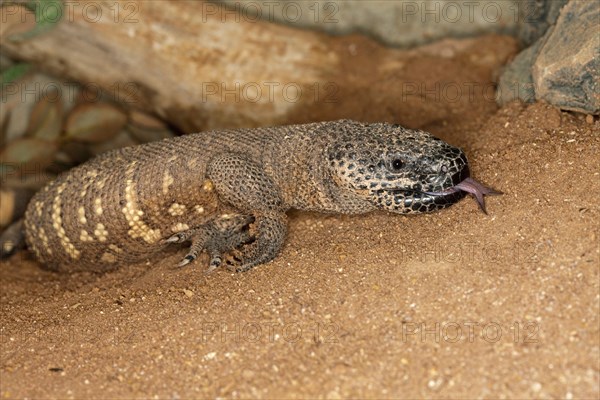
x: 227, y: 192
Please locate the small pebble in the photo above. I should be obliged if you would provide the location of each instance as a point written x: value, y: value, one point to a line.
x: 589, y: 119
x: 552, y: 120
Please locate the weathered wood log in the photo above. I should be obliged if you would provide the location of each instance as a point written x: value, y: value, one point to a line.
x: 202, y: 67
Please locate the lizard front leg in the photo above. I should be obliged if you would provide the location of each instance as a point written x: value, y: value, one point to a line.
x: 243, y: 184
x: 220, y: 235
x: 269, y: 233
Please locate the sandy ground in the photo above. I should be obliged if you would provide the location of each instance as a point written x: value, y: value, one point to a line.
x: 455, y: 304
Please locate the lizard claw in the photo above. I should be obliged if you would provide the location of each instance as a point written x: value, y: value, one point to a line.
x: 213, y: 265
x: 186, y: 260
x: 215, y: 261
x: 176, y: 238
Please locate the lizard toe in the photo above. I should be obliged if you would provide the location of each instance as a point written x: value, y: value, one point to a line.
x: 186, y: 260
x: 179, y: 237
x: 215, y: 262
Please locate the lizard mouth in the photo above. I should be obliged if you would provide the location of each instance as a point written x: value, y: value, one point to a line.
x: 420, y: 201
x: 463, y: 184
x: 467, y: 185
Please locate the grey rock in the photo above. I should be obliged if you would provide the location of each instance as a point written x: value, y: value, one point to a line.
x: 535, y: 17
x: 516, y: 81
x: 400, y: 23
x: 566, y: 72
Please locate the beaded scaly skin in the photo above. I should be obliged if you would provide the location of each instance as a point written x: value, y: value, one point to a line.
x: 227, y: 192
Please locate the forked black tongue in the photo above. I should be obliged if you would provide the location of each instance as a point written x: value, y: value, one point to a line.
x: 476, y: 189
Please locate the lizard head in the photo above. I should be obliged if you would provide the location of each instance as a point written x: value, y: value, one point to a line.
x: 398, y: 169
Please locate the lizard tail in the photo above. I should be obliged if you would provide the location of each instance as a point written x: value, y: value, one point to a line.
x: 12, y: 239
x: 13, y: 203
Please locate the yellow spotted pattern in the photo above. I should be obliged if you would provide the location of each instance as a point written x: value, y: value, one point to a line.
x: 58, y: 226
x: 167, y: 182
x: 176, y: 209
x: 138, y: 228
x: 179, y: 227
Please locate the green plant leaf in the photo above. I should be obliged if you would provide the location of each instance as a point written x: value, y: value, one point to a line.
x: 14, y: 73
x: 48, y: 13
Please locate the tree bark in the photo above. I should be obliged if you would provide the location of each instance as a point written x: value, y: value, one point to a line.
x: 202, y: 67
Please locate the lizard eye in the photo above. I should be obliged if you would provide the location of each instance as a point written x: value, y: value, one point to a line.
x: 396, y: 164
